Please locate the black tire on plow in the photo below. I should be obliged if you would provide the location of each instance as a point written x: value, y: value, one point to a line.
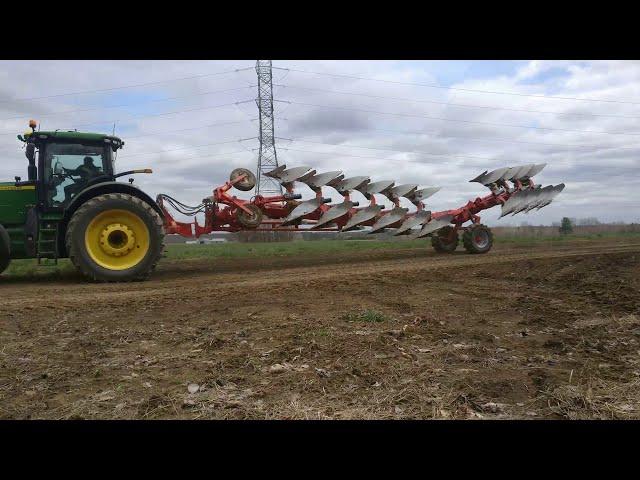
x: 247, y: 183
x: 477, y: 239
x: 252, y: 220
x: 445, y: 241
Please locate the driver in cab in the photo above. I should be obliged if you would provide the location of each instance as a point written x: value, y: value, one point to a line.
x: 86, y: 171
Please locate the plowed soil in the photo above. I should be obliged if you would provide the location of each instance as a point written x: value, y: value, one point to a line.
x: 535, y: 332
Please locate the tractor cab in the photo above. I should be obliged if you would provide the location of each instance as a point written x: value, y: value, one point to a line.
x: 67, y: 164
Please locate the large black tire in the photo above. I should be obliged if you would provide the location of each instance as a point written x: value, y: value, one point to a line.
x: 82, y: 218
x: 249, y: 221
x: 244, y: 185
x: 477, y: 239
x: 442, y: 242
x: 5, y: 249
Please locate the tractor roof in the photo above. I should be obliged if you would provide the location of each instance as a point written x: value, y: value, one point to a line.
x: 78, y: 136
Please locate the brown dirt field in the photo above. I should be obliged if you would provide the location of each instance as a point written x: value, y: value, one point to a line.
x: 535, y: 332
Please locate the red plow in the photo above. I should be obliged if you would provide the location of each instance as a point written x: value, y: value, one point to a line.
x: 512, y: 188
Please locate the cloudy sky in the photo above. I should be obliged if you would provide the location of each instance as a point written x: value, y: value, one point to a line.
x: 436, y: 123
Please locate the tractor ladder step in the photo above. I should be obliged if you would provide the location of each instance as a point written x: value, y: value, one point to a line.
x: 47, y: 244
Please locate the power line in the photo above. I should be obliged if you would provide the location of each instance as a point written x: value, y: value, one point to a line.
x: 406, y: 151
x: 102, y: 122
x: 125, y: 104
x: 125, y: 86
x: 348, y: 156
x: 453, y: 120
x: 478, y: 139
x: 186, y: 129
x: 553, y: 97
x: 197, y: 155
x: 387, y: 149
x: 339, y: 154
x: 413, y: 100
x: 187, y: 148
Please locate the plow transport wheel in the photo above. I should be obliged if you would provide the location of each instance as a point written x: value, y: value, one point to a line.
x: 477, y: 239
x: 252, y: 220
x: 5, y: 249
x: 445, y: 240
x: 247, y: 183
x: 115, y: 238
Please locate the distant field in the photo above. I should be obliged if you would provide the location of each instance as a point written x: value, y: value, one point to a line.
x: 177, y: 251
x: 30, y: 270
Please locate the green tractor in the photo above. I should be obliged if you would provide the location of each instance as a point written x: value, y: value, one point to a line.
x: 72, y: 206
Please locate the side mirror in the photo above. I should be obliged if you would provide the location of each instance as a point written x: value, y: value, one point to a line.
x: 30, y: 152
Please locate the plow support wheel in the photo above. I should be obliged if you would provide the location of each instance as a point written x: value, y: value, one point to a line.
x: 246, y: 183
x: 477, y: 239
x: 252, y: 220
x: 446, y: 240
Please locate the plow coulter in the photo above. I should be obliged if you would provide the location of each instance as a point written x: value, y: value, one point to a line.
x: 512, y: 188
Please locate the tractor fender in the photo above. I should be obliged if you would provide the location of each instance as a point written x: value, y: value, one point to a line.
x: 108, y: 187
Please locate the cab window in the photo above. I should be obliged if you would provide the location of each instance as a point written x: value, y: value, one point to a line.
x: 70, y: 167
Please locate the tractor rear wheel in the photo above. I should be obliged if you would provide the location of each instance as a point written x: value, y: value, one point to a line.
x: 247, y: 220
x: 247, y: 183
x: 445, y: 240
x: 477, y: 239
x: 115, y: 238
x: 5, y: 249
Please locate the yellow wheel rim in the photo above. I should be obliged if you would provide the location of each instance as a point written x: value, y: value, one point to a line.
x: 117, y: 239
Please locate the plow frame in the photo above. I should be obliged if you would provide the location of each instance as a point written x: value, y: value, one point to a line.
x: 221, y: 210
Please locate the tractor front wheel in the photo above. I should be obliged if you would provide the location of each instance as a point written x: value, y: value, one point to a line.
x: 477, y: 239
x: 445, y: 240
x: 5, y: 249
x: 115, y: 238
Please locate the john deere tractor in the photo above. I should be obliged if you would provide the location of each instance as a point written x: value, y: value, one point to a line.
x: 72, y: 205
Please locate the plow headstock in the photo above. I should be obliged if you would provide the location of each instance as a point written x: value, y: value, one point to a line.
x: 284, y: 212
